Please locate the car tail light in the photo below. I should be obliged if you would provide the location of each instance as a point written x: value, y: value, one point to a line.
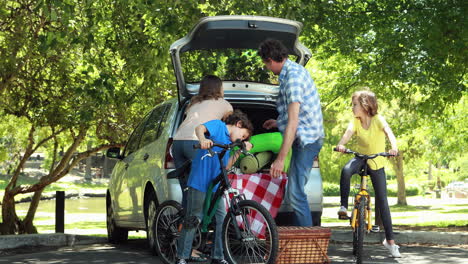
x: 316, y: 163
x: 169, y: 160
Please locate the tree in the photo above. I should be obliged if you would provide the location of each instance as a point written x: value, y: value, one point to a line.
x: 55, y: 73
x: 73, y: 69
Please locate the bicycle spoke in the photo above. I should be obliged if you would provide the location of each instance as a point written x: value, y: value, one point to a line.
x: 255, y: 245
x: 166, y: 225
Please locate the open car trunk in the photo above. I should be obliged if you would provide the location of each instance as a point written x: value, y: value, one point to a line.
x: 223, y: 33
x: 258, y: 113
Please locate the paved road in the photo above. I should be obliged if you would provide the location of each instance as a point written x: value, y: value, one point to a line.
x: 135, y: 252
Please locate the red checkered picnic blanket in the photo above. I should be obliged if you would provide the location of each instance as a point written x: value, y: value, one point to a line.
x: 263, y: 189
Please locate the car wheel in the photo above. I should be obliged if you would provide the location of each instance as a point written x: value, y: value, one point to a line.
x: 150, y: 218
x: 115, y: 234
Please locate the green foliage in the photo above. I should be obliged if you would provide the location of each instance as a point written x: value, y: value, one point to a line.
x: 231, y: 64
x: 100, y: 65
x: 411, y: 190
x: 13, y: 135
x: 331, y: 189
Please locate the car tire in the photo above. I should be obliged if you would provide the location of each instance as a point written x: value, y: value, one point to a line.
x: 150, y: 217
x: 115, y: 234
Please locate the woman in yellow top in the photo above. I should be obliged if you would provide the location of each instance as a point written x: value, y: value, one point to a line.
x: 370, y: 129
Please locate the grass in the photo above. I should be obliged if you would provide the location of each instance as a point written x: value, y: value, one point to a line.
x: 59, y: 186
x: 461, y: 211
x: 421, y: 213
x: 88, y: 217
x: 70, y: 187
x: 443, y: 223
x: 408, y: 208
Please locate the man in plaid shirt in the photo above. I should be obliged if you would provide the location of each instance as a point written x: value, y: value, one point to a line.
x: 300, y: 121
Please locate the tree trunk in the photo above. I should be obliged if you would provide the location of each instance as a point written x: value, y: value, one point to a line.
x: 398, y: 167
x: 88, y: 176
x: 429, y: 172
x: 27, y: 226
x: 438, y: 188
x: 10, y: 223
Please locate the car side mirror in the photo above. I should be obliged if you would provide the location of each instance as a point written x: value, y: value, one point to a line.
x: 113, y: 153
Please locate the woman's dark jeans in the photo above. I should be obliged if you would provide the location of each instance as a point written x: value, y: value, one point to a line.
x: 182, y: 150
x: 379, y: 182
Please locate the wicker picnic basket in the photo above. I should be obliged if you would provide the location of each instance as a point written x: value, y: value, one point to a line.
x: 303, y: 245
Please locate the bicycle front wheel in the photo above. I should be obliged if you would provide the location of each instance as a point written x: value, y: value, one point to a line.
x: 166, y: 229
x: 257, y: 240
x: 360, y: 229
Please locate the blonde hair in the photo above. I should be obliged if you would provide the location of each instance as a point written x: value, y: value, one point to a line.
x: 368, y: 101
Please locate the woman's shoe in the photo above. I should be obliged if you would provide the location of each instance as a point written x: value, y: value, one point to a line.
x: 342, y: 211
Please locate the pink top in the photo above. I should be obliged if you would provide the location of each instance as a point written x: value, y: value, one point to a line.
x: 200, y: 113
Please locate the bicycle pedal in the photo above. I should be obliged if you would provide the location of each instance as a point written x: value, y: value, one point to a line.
x: 343, y: 217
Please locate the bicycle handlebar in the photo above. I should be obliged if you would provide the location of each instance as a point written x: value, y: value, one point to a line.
x: 237, y: 143
x: 372, y: 156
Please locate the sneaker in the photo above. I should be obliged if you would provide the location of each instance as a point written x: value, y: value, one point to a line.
x: 219, y: 261
x: 181, y: 261
x: 392, y: 248
x: 343, y: 211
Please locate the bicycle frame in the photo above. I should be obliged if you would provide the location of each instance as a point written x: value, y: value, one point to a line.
x: 224, y: 189
x: 238, y: 234
x: 363, y: 188
x: 362, y: 192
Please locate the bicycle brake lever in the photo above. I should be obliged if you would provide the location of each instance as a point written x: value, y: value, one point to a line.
x: 206, y: 155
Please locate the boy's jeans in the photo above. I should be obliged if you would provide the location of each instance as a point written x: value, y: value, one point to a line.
x: 195, y: 200
x: 301, y: 163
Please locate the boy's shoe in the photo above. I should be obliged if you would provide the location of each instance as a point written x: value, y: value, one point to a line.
x: 181, y: 261
x: 343, y: 211
x: 219, y: 261
x: 200, y: 258
x: 392, y: 248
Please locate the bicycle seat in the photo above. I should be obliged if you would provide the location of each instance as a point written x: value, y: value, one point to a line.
x: 180, y: 172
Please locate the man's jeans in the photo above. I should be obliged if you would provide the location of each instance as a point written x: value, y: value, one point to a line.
x: 301, y: 163
x: 195, y: 200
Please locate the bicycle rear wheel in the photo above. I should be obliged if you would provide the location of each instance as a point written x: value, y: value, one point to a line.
x: 258, y: 241
x: 166, y: 229
x: 358, y: 235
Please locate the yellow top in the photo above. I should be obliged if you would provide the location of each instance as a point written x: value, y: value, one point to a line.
x: 371, y: 140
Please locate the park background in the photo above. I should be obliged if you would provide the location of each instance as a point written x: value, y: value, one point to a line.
x: 77, y: 76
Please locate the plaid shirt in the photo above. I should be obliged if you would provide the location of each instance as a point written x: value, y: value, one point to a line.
x: 296, y: 85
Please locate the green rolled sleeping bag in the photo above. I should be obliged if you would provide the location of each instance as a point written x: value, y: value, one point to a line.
x: 266, y: 142
x: 252, y: 164
x: 269, y: 142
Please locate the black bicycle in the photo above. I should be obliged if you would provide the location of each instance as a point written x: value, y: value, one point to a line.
x: 249, y: 232
x: 361, y: 217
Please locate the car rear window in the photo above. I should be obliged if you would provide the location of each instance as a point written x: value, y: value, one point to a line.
x: 228, y: 64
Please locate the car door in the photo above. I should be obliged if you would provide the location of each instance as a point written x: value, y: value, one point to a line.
x: 122, y: 196
x: 145, y: 159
